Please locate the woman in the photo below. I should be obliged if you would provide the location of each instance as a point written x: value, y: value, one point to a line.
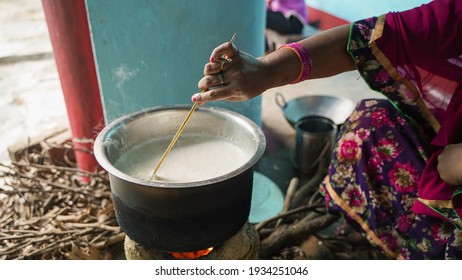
x: 396, y: 172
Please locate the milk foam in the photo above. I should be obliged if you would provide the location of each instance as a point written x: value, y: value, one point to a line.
x: 193, y: 158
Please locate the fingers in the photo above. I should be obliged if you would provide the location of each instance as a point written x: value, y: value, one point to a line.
x: 214, y: 81
x: 216, y: 74
x: 212, y: 68
x: 214, y: 94
x: 226, y: 50
x: 220, y: 61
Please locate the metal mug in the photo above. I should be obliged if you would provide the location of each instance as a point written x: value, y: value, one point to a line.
x: 314, y: 143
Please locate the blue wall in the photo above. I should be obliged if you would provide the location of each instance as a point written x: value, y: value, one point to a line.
x: 151, y: 53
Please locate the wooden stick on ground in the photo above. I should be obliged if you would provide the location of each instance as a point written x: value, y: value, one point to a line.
x: 281, y: 216
x: 293, y: 184
x: 286, y: 235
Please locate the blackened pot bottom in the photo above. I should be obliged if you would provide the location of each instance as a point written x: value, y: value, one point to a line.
x: 182, y: 234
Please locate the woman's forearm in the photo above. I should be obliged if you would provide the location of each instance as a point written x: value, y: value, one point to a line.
x: 328, y: 55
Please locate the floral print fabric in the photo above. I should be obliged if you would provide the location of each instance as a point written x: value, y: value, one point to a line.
x: 376, y: 166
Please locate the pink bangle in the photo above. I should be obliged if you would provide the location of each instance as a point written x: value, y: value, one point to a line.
x: 305, y: 60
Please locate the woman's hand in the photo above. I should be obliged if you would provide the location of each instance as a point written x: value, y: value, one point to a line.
x: 243, y: 76
x: 232, y: 75
x: 450, y: 164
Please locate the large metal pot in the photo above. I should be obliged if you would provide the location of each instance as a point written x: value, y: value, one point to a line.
x: 180, y: 217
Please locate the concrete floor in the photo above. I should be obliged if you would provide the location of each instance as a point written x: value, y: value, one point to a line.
x: 32, y: 103
x: 31, y: 100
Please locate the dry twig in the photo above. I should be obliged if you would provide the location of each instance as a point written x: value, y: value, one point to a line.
x: 46, y: 213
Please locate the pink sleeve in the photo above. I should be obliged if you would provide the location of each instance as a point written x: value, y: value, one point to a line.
x: 424, y: 36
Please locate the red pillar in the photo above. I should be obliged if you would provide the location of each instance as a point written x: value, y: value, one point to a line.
x: 70, y: 38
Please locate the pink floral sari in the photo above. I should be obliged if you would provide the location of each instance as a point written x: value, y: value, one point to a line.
x: 383, y: 174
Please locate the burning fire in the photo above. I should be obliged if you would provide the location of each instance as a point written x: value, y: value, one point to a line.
x: 191, y: 255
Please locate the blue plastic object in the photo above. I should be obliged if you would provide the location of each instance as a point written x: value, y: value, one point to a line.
x: 267, y: 199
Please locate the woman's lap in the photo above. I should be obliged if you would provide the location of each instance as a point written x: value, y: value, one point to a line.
x: 374, y: 176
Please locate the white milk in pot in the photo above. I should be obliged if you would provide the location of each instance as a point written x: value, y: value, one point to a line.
x: 195, y: 157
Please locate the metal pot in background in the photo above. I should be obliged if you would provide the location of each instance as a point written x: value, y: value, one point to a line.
x: 314, y: 143
x: 180, y: 217
x: 334, y: 108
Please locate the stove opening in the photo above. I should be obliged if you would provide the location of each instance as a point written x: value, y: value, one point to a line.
x: 191, y: 255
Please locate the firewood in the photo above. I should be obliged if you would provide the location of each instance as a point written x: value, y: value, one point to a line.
x: 281, y: 216
x: 291, y: 189
x: 308, y: 188
x: 285, y: 235
x: 46, y: 212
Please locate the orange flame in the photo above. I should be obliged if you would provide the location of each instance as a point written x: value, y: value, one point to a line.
x: 191, y: 255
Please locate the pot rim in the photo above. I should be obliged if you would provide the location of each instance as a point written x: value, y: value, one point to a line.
x: 322, y: 119
x: 112, y: 170
x: 287, y: 108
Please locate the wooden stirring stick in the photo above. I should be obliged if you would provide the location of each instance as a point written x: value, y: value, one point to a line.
x: 174, y: 139
x: 182, y: 126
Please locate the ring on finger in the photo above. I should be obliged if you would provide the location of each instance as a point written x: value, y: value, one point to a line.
x: 222, y: 79
x: 222, y: 62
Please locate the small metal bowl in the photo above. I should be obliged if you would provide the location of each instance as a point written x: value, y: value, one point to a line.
x: 334, y: 108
